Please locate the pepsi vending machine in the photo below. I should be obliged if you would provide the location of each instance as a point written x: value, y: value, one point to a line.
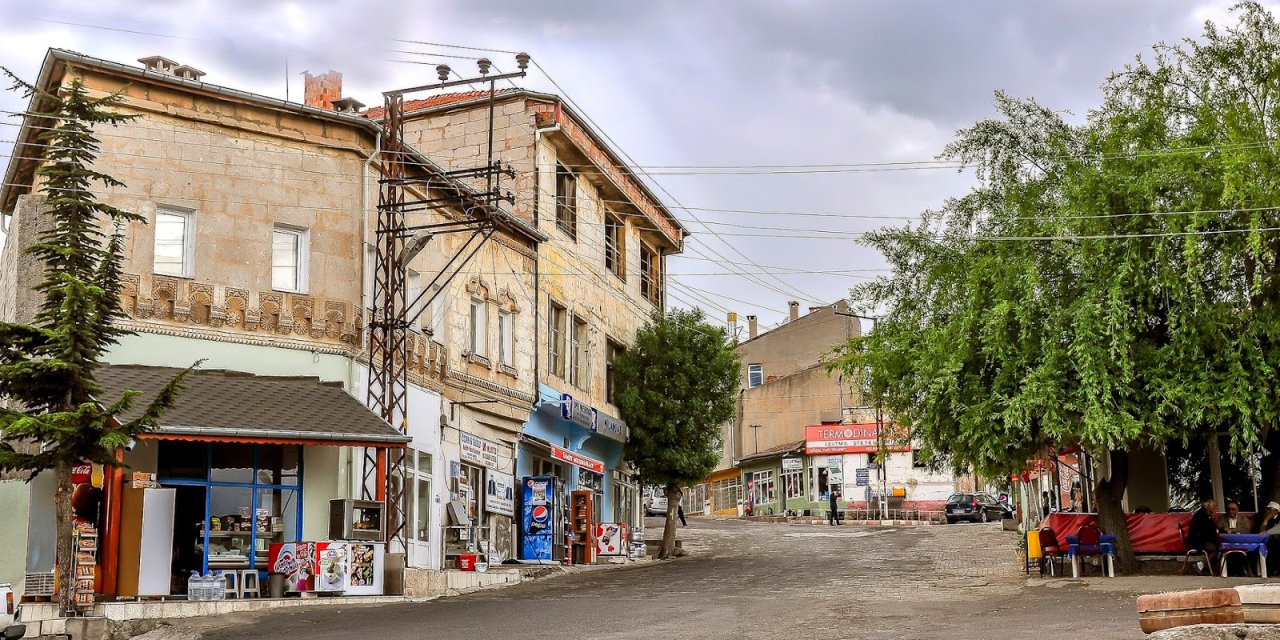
x: 542, y: 519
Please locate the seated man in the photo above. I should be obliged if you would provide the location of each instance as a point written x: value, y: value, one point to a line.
x: 1203, y: 532
x: 1232, y: 521
x: 1269, y: 523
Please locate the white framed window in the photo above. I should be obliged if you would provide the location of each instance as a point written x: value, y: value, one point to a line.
x: 567, y: 201
x: 479, y: 328
x: 762, y: 489
x: 289, y: 259
x: 174, y: 253
x: 437, y: 316
x: 755, y: 375
x: 791, y: 484
x: 412, y: 287
x: 506, y: 339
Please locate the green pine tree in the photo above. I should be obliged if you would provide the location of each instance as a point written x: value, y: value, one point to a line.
x: 52, y: 414
x: 677, y: 386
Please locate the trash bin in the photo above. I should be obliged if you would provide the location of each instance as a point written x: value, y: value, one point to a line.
x: 275, y: 585
x: 467, y: 562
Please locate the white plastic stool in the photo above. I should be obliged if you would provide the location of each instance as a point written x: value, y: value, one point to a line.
x: 230, y: 585
x: 249, y: 587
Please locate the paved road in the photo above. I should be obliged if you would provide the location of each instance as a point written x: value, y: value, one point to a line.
x: 755, y: 580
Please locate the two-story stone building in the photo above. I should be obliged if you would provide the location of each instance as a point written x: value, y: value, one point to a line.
x: 256, y: 259
x: 600, y: 273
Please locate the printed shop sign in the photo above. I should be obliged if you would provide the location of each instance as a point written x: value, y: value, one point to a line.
x: 499, y: 493
x: 577, y: 412
x: 847, y: 438
x: 564, y: 455
x: 477, y: 450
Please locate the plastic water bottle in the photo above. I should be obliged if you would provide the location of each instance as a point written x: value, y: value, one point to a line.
x: 195, y: 586
x: 213, y: 590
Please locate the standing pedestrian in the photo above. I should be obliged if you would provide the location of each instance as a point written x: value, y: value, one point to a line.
x: 680, y: 511
x: 833, y: 516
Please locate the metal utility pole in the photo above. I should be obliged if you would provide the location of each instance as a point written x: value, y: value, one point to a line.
x: 396, y: 245
x: 755, y: 433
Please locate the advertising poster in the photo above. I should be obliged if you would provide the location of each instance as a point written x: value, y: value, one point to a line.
x: 611, y: 539
x: 296, y: 561
x: 332, y: 562
x: 500, y: 493
x: 537, y: 532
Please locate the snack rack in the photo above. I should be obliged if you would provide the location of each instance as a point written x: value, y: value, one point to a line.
x: 86, y: 554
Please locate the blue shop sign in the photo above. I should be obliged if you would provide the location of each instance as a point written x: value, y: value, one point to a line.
x: 610, y: 427
x: 579, y: 413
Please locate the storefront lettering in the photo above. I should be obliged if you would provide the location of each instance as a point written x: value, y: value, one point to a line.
x: 579, y: 413
x: 847, y: 438
x: 610, y: 426
x: 564, y: 455
x: 477, y: 450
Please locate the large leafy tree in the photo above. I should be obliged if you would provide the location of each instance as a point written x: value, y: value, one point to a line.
x: 53, y: 415
x: 676, y: 387
x: 1110, y: 283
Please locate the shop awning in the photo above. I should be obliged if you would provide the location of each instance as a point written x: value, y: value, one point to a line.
x: 231, y: 406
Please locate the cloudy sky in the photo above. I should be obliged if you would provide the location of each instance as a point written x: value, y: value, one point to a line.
x: 731, y: 83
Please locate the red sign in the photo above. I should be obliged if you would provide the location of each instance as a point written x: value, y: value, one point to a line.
x: 847, y: 438
x: 594, y: 466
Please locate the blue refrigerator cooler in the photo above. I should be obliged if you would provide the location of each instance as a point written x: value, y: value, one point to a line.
x: 542, y: 519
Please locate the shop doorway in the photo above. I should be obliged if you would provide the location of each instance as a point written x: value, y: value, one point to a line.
x: 188, y: 522
x: 418, y: 467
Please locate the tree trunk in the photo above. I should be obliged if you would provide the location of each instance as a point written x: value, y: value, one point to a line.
x: 65, y: 549
x: 1111, y: 516
x: 668, y: 548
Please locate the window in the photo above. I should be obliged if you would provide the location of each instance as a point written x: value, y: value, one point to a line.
x: 762, y: 489
x: 818, y: 477
x: 479, y: 328
x: 726, y: 494
x: 755, y: 375
x: 506, y: 340
x: 418, y: 464
x: 612, y: 351
x: 289, y: 259
x: 555, y: 339
x: 791, y: 484
x: 545, y: 467
x: 918, y: 459
x: 651, y: 275
x: 413, y: 287
x: 615, y: 250
x: 437, y: 316
x: 580, y: 355
x: 174, y: 246
x: 566, y: 201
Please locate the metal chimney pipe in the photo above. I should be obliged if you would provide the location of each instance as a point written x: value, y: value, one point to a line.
x: 752, y: 327
x: 795, y: 310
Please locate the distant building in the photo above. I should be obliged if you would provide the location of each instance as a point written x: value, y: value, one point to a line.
x: 802, y: 431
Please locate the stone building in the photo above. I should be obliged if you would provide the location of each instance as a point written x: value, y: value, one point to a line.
x: 777, y: 456
x: 600, y: 273
x: 256, y: 258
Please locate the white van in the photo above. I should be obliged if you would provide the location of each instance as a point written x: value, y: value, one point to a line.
x: 655, y: 501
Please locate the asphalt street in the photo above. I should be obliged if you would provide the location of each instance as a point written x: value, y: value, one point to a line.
x: 756, y: 580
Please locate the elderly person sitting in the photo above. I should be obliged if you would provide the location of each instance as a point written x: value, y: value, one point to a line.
x: 1268, y: 522
x: 1232, y: 521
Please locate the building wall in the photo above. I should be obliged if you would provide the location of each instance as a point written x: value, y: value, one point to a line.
x: 784, y: 407
x: 798, y: 344
x: 15, y: 495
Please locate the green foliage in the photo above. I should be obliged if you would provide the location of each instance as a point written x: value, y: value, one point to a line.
x: 676, y: 387
x: 1110, y: 283
x: 53, y: 402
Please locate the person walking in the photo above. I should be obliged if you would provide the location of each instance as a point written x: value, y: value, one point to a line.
x: 680, y: 511
x: 833, y: 516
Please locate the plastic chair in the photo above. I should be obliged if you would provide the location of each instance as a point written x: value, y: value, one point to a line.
x: 1051, y: 549
x: 249, y: 586
x: 230, y: 585
x: 1186, y: 558
x: 1089, y: 543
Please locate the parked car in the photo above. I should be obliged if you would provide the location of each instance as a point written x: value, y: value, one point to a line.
x: 655, y: 501
x: 9, y: 630
x: 975, y: 507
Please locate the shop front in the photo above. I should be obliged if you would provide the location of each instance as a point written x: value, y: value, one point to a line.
x: 240, y: 467
x: 772, y: 482
x: 578, y: 449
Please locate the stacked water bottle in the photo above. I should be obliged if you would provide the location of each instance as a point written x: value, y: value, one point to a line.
x: 210, y: 586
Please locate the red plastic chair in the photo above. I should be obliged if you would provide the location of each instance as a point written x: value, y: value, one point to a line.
x: 1088, y: 541
x: 1051, y: 549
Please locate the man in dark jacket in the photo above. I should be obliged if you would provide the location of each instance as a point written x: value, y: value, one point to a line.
x: 833, y: 516
x: 1203, y: 532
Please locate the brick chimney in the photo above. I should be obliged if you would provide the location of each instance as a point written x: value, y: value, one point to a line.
x: 752, y: 327
x: 320, y: 91
x: 795, y: 310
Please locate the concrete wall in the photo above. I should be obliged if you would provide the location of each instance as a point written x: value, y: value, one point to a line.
x: 784, y: 407
x: 799, y: 344
x: 15, y: 497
